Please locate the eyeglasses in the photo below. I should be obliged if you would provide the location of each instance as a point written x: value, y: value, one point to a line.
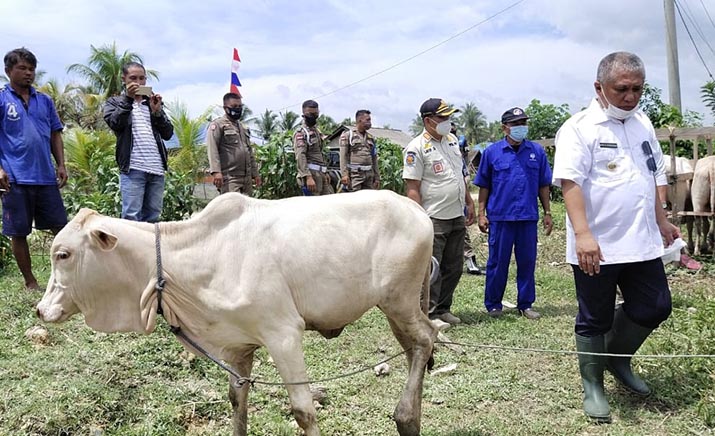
x: 648, y: 152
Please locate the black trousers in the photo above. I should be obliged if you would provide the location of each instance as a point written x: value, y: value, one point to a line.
x: 645, y: 293
x: 448, y: 249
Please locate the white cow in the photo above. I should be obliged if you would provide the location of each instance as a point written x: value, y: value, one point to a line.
x: 703, y: 194
x: 679, y: 192
x: 245, y: 273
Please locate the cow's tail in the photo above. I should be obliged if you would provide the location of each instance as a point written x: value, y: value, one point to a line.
x: 431, y: 274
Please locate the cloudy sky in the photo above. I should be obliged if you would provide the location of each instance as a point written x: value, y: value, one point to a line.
x: 295, y: 50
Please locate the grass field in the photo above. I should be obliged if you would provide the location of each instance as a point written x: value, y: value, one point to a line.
x: 86, y: 383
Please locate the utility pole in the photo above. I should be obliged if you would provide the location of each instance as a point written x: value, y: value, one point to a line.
x: 672, y: 54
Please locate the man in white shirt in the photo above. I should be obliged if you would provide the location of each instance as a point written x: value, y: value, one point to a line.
x: 434, y: 173
x: 609, y: 162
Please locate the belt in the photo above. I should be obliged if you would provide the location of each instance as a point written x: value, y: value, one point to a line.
x: 360, y: 167
x: 316, y: 167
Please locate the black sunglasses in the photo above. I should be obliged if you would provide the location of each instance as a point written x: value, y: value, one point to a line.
x: 649, y: 152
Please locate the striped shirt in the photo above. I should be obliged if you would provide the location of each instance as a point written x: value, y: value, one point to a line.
x: 145, y: 153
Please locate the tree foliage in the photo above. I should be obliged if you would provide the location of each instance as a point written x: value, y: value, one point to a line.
x: 103, y: 70
x: 417, y: 126
x: 190, y: 157
x: 326, y: 124
x: 389, y: 161
x: 707, y: 92
x: 266, y: 124
x: 289, y: 121
x: 545, y: 119
x: 472, y: 123
x: 277, y: 166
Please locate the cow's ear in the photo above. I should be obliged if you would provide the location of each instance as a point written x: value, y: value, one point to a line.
x: 105, y: 240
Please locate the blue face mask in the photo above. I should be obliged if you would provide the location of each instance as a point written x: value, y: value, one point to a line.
x: 518, y: 133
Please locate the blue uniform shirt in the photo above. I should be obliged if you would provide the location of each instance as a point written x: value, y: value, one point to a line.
x: 513, y: 179
x: 25, y: 153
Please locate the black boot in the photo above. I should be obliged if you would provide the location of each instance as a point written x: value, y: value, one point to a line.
x: 472, y: 267
x: 595, y: 404
x: 626, y: 337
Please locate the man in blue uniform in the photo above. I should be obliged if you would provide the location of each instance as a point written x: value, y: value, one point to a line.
x: 512, y: 174
x: 30, y: 135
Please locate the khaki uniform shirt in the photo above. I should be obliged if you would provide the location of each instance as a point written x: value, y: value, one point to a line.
x: 308, y: 147
x: 438, y: 165
x: 357, y: 149
x: 229, y: 147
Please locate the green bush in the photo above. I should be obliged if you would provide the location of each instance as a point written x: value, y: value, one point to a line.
x: 94, y: 178
x: 390, y: 163
x: 179, y: 199
x: 277, y: 167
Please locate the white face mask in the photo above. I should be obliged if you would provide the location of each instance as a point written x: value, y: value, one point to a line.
x: 616, y: 112
x: 443, y: 128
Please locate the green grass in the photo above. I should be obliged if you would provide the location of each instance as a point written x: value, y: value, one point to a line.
x: 83, y: 382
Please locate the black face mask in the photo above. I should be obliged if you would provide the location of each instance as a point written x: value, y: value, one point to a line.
x: 234, y: 113
x: 310, y: 120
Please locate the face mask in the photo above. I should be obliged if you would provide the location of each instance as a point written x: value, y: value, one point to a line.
x: 615, y: 112
x: 234, y: 113
x: 310, y: 120
x: 443, y: 128
x: 518, y: 133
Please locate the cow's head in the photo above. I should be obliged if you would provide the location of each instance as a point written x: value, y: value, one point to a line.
x: 96, y: 271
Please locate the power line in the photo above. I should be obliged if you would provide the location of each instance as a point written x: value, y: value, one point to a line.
x: 677, y: 6
x: 404, y: 61
x: 707, y: 13
x: 690, y: 15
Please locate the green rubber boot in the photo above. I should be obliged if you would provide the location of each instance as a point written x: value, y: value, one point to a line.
x: 595, y: 404
x: 626, y: 337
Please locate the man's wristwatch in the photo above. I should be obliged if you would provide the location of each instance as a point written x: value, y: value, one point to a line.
x: 547, y: 212
x: 664, y: 205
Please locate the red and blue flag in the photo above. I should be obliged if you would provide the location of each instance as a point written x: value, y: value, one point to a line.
x: 235, y: 83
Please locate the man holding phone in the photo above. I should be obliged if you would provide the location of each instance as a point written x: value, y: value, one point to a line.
x: 138, y: 120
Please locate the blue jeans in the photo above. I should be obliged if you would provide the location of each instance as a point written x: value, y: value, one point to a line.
x: 142, y: 195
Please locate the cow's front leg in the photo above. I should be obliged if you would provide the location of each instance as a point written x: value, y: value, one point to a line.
x: 243, y: 363
x: 287, y: 353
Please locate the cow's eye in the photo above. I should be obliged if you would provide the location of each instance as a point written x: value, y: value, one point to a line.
x: 62, y: 255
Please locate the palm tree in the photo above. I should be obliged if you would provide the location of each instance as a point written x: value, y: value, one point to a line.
x: 190, y: 156
x: 289, y: 120
x: 67, y: 100
x: 707, y: 92
x: 266, y: 124
x: 473, y: 123
x: 104, y: 69
x: 326, y: 124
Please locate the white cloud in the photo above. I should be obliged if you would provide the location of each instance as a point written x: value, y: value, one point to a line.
x: 291, y: 51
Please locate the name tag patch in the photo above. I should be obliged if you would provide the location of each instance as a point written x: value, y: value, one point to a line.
x: 608, y: 145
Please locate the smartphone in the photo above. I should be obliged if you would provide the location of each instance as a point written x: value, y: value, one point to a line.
x: 144, y: 90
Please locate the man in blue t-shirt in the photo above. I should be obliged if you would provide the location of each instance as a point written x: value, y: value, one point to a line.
x: 30, y: 135
x: 512, y: 174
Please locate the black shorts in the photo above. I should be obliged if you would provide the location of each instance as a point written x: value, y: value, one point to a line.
x: 25, y: 203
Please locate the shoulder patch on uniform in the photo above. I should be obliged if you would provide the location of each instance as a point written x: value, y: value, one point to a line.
x: 426, y: 136
x: 212, y: 126
x: 410, y: 158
